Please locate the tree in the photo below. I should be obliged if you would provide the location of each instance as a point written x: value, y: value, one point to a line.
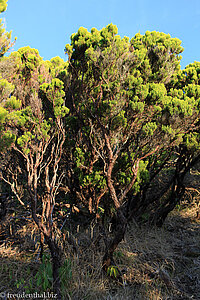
x: 124, y: 116
x: 6, y: 88
x: 186, y: 83
x: 110, y: 121
x: 5, y: 37
x: 36, y: 135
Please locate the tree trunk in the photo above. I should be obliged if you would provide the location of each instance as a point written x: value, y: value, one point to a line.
x: 118, y: 237
x: 177, y: 194
x: 56, y: 256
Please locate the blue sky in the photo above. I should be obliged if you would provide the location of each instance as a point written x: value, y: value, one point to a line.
x: 48, y: 24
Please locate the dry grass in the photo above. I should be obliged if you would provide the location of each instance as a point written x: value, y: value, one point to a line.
x: 156, y: 263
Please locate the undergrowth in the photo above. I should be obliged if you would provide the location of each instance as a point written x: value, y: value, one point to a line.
x: 155, y: 263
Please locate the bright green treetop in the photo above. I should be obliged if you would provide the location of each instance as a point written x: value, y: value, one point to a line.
x: 33, y: 85
x: 5, y: 37
x: 124, y: 105
x: 3, y: 5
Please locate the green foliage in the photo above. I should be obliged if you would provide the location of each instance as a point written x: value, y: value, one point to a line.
x: 149, y: 128
x: 30, y: 59
x: 57, y: 61
x: 168, y: 130
x: 157, y: 93
x: 13, y: 103
x: 142, y: 176
x: 3, y: 5
x: 6, y: 140
x: 3, y: 114
x: 158, y: 55
x: 54, y: 93
x: 127, y: 90
x: 22, y: 112
x: 59, y: 68
x: 113, y: 271
x: 24, y: 140
x: 101, y: 211
x: 44, y: 275
x: 5, y: 37
x: 24, y: 284
x: 6, y: 89
x: 119, y: 121
x: 137, y: 106
x: 5, y: 42
x: 192, y: 141
x: 7, y: 106
x: 96, y: 179
x: 79, y: 157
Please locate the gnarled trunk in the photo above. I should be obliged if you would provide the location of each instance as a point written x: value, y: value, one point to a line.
x: 118, y: 237
x: 56, y: 256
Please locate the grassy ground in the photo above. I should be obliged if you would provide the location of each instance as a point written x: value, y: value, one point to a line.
x: 156, y: 263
